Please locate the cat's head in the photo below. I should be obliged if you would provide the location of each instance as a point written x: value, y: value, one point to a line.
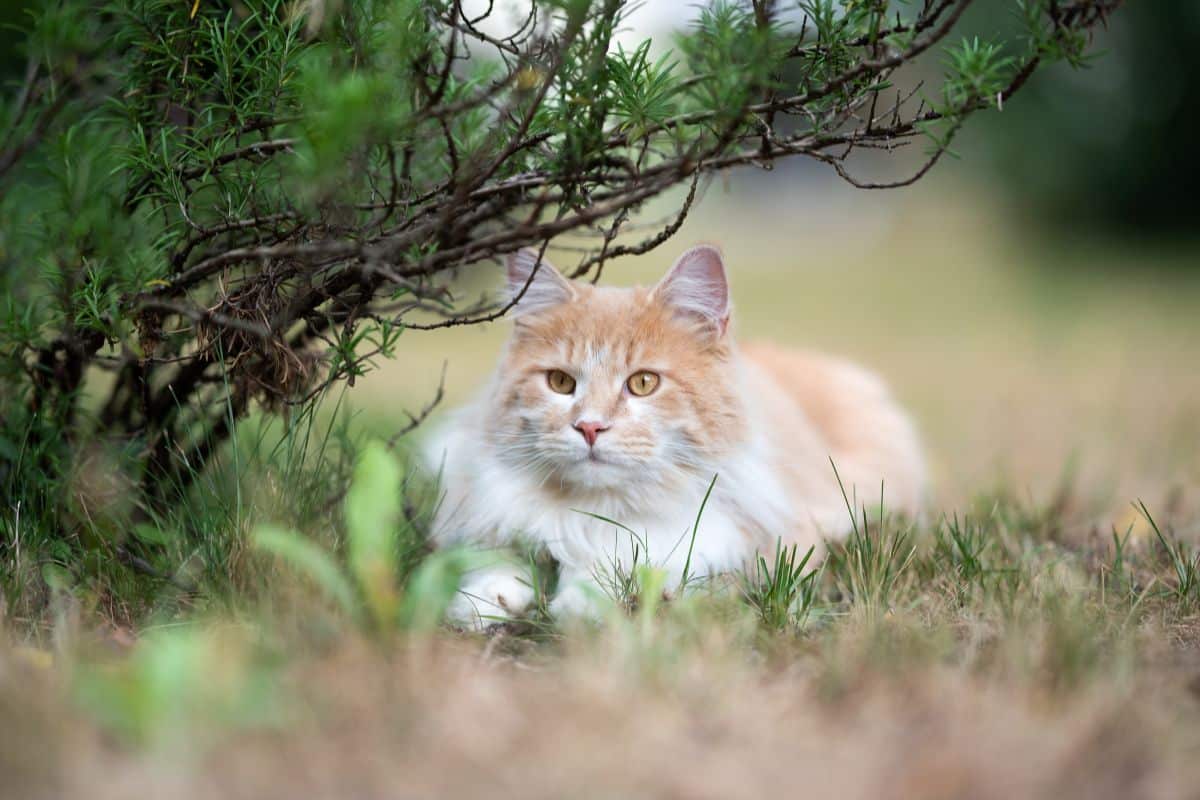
x: 607, y: 388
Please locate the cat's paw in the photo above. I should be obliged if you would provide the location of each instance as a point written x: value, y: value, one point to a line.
x: 489, y: 598
x: 580, y: 601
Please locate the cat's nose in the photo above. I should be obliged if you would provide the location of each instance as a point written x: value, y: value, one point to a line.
x: 590, y: 430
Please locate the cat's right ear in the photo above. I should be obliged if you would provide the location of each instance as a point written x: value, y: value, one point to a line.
x: 547, y: 287
x: 697, y: 287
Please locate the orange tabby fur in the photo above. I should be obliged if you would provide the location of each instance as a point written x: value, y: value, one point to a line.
x: 859, y: 426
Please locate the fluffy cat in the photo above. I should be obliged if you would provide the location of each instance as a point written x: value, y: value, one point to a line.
x: 624, y: 403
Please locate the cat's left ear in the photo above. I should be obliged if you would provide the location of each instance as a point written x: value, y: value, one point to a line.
x: 696, y: 286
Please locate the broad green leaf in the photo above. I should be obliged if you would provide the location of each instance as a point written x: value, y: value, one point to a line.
x: 372, y: 508
x: 308, y: 558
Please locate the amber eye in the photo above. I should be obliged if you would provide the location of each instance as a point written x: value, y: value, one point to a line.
x: 560, y: 381
x: 642, y: 383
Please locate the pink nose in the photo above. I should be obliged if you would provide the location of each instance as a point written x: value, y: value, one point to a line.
x: 590, y: 430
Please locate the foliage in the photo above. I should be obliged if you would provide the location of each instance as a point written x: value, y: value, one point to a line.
x: 368, y: 588
x: 178, y: 684
x: 1106, y: 150
x: 1184, y: 561
x: 192, y: 685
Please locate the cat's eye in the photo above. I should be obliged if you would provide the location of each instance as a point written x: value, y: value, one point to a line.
x: 642, y: 383
x: 560, y: 381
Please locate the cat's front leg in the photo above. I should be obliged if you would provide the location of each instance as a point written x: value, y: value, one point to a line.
x: 492, y: 595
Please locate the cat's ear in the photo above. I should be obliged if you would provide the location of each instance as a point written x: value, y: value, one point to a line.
x: 548, y: 288
x: 696, y: 286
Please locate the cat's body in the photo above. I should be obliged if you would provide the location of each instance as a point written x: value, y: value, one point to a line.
x: 534, y: 461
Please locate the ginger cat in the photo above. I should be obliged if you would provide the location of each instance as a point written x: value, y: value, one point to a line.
x: 624, y: 403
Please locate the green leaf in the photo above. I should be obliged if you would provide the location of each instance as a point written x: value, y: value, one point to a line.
x: 433, y: 586
x: 372, y: 507
x: 308, y: 558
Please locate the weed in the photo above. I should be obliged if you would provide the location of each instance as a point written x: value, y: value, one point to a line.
x: 621, y: 579
x: 1115, y: 574
x: 781, y: 592
x: 368, y: 587
x: 867, y: 566
x: 961, y: 545
x: 1184, y: 562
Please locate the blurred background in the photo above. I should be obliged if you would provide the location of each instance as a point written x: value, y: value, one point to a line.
x: 1034, y: 300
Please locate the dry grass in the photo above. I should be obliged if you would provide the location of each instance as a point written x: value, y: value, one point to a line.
x: 921, y: 704
x: 1006, y: 654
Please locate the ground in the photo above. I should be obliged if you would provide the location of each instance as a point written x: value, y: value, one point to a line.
x: 1037, y: 636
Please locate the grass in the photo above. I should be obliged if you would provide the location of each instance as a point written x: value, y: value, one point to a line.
x: 1017, y: 631
x: 1034, y: 636
x: 1184, y: 561
x: 782, y: 592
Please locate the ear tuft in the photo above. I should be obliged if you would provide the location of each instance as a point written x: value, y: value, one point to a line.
x: 548, y: 288
x: 696, y: 286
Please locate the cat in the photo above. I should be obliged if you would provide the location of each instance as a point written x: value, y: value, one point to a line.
x: 626, y: 404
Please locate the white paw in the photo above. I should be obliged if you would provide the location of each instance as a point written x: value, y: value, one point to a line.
x: 580, y: 600
x: 490, y: 597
